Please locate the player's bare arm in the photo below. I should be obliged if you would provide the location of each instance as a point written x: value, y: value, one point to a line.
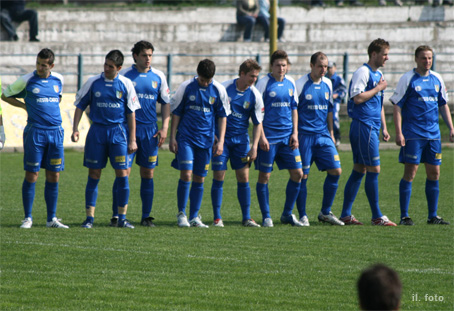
x: 132, y: 144
x: 256, y: 132
x: 14, y: 102
x: 293, y: 143
x: 77, y: 116
x: 385, y: 133
x: 446, y: 115
x: 365, y: 96
x: 329, y: 121
x: 162, y: 133
x: 173, y: 145
x: 219, y: 145
x: 397, y: 117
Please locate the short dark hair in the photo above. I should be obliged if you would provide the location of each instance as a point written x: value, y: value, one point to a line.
x: 279, y: 54
x: 47, y: 54
x: 206, y: 68
x: 379, y: 288
x: 315, y: 57
x: 116, y: 56
x: 377, y: 46
x: 140, y: 46
x: 423, y: 48
x: 248, y: 65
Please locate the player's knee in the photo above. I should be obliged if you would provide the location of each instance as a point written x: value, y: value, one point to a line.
x: 296, y: 175
x: 186, y: 176
x: 31, y: 177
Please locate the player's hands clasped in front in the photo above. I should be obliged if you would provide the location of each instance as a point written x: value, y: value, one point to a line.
x: 75, y: 136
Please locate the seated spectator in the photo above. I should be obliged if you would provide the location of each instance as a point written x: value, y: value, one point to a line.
x: 264, y: 20
x: 396, y: 2
x: 14, y: 10
x: 379, y: 288
x: 246, y: 14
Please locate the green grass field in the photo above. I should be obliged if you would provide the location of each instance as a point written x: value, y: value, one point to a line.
x: 231, y: 268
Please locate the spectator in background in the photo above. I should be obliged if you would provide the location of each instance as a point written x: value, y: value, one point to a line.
x: 246, y: 14
x: 264, y: 20
x: 15, y: 11
x: 396, y: 2
x: 350, y: 2
x: 339, y: 92
x: 379, y: 288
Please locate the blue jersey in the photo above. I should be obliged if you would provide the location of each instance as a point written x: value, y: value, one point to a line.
x: 243, y: 105
x: 419, y: 98
x: 198, y: 107
x: 369, y: 112
x: 339, y: 88
x: 109, y: 100
x: 279, y: 100
x: 315, y: 101
x: 151, y: 88
x: 41, y: 97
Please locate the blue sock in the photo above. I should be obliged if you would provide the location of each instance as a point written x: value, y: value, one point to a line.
x: 90, y: 219
x: 263, y: 198
x: 291, y: 193
x: 114, y: 199
x: 122, y: 193
x: 195, y: 199
x: 216, y: 198
x: 329, y: 192
x: 91, y: 192
x: 350, y: 192
x: 404, y: 197
x: 244, y: 197
x: 302, y: 197
x: 183, y: 195
x: 28, y: 196
x: 146, y: 194
x: 51, y: 198
x: 371, y: 187
x: 432, y: 193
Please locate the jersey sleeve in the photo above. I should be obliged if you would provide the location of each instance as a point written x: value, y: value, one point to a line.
x: 17, y: 89
x: 442, y: 94
x: 164, y: 92
x: 401, y: 90
x: 224, y: 100
x: 294, y: 95
x: 359, y: 81
x: 177, y: 98
x: 83, y: 95
x: 132, y: 101
x: 259, y: 109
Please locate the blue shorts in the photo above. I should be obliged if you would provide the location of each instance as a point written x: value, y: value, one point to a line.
x: 235, y: 149
x: 106, y: 141
x: 285, y: 157
x: 147, y: 146
x: 364, y: 140
x: 319, y: 148
x: 43, y: 148
x: 192, y: 158
x: 421, y: 151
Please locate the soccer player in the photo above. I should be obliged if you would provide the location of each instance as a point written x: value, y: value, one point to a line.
x: 245, y: 102
x: 365, y: 107
x: 43, y: 135
x: 196, y: 105
x: 419, y: 96
x: 112, y: 100
x: 151, y: 88
x: 339, y: 92
x: 316, y: 137
x: 279, y: 139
